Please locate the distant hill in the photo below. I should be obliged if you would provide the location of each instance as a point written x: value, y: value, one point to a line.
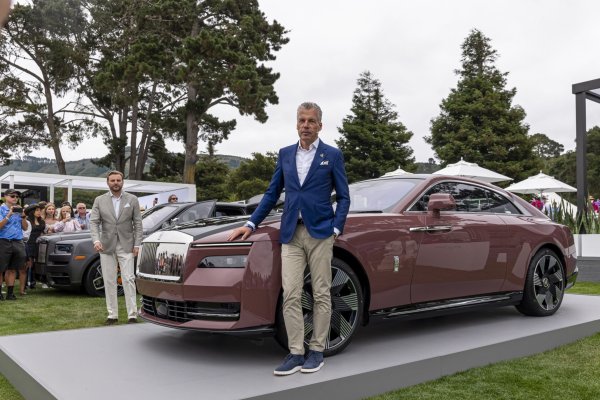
x: 83, y: 167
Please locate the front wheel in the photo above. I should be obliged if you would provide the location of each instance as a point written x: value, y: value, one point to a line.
x: 347, y: 304
x: 544, y: 285
x: 93, y: 283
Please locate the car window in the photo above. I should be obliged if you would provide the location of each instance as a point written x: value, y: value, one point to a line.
x: 501, y: 205
x: 197, y: 211
x: 379, y: 195
x: 469, y: 198
x: 153, y: 217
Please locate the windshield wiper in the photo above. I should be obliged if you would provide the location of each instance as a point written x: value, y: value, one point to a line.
x: 365, y: 211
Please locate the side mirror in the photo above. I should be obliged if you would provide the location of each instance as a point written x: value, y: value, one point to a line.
x: 440, y: 201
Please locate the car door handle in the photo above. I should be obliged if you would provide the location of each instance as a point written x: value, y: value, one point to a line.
x: 433, y: 228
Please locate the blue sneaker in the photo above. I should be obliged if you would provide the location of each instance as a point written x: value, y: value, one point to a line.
x: 314, y: 362
x: 291, y: 364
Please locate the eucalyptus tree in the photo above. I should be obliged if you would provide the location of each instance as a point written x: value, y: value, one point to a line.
x: 373, y: 140
x: 478, y: 120
x: 218, y: 52
x: 39, y: 55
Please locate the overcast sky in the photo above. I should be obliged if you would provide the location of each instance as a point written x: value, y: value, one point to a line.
x: 412, y: 48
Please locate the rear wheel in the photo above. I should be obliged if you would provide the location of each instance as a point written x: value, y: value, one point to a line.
x: 346, y: 309
x: 93, y: 282
x: 544, y: 285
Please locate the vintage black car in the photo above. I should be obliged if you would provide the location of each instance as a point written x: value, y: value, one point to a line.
x: 68, y: 260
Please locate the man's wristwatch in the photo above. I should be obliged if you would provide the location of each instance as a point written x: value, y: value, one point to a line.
x: 250, y: 226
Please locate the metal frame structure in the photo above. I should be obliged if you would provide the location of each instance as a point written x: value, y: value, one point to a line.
x: 583, y: 91
x: 54, y: 181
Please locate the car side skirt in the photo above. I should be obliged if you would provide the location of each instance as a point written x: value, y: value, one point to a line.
x: 450, y: 306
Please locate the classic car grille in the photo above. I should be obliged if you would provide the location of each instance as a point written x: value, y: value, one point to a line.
x: 184, y: 311
x: 42, y: 248
x: 162, y: 261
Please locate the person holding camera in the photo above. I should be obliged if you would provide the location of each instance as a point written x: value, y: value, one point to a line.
x: 12, y: 249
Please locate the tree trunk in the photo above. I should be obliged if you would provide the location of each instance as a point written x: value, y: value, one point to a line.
x: 53, y: 130
x: 146, y: 136
x: 191, y: 123
x: 133, y: 141
x: 121, y: 141
x: 191, y: 138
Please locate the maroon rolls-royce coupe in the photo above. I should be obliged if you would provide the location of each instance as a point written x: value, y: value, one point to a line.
x: 413, y: 245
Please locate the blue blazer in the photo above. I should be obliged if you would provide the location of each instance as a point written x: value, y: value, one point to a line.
x: 313, y: 198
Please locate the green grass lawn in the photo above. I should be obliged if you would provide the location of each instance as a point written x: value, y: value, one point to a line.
x: 569, y: 372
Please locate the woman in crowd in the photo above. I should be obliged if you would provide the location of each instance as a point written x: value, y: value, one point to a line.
x: 49, y: 216
x: 67, y: 223
x: 34, y: 217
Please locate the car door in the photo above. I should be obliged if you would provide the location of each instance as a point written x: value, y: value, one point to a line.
x: 463, y: 252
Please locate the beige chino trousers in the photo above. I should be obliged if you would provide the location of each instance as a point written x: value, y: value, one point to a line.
x: 125, y: 260
x: 295, y: 255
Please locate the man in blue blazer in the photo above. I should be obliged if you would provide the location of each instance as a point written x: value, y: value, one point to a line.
x: 308, y: 171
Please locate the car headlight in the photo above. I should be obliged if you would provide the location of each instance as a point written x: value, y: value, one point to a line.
x: 64, y: 248
x: 237, y: 261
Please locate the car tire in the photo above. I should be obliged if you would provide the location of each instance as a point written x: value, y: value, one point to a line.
x: 346, y: 313
x: 544, y: 285
x: 93, y: 282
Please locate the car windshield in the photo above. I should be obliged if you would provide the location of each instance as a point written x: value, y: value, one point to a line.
x: 155, y: 216
x: 379, y: 195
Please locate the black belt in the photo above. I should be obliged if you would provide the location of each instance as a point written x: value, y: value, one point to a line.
x: 12, y: 240
x: 300, y: 221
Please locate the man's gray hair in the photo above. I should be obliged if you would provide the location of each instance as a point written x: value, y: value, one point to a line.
x: 309, y: 105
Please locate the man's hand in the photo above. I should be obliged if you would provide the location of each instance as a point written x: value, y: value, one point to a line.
x: 245, y: 231
x: 98, y: 247
x: 136, y: 251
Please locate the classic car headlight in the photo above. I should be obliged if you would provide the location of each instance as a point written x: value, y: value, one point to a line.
x: 238, y: 261
x: 63, y: 248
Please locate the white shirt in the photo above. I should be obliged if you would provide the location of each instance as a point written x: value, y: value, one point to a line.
x: 116, y: 202
x: 304, y: 159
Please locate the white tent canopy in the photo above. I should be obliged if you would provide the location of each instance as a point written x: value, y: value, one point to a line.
x: 540, y: 183
x: 397, y: 172
x: 472, y: 170
x: 186, y: 192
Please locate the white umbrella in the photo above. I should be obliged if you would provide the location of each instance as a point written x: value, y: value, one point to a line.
x: 540, y: 183
x: 472, y: 170
x: 397, y: 172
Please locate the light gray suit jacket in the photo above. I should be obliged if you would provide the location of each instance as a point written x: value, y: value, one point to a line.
x: 108, y: 229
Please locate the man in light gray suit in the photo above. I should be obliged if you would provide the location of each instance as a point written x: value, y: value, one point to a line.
x: 116, y: 227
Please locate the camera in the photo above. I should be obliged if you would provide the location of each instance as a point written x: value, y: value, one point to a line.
x: 17, y: 210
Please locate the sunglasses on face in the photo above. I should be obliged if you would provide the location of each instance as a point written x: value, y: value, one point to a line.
x: 173, y: 198
x: 12, y: 195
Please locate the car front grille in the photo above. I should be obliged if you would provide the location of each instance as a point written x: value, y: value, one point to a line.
x: 42, y: 249
x: 162, y: 261
x: 185, y: 311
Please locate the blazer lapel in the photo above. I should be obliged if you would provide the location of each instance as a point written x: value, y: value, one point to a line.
x: 294, y: 167
x: 121, y: 205
x: 109, y: 205
x: 319, y: 157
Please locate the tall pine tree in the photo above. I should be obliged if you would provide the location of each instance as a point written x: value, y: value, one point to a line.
x: 373, y: 140
x: 478, y: 121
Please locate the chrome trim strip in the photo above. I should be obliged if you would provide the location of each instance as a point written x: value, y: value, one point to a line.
x: 434, y: 228
x: 466, y: 302
x: 159, y: 277
x: 213, y: 315
x: 232, y: 244
x: 439, y: 228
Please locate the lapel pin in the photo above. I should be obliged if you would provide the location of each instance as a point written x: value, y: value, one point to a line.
x: 322, y: 155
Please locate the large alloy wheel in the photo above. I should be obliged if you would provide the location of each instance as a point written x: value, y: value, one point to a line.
x: 346, y: 309
x: 93, y: 282
x: 544, y: 285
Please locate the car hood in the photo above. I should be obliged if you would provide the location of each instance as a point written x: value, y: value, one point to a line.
x: 57, y: 237
x: 203, y: 228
